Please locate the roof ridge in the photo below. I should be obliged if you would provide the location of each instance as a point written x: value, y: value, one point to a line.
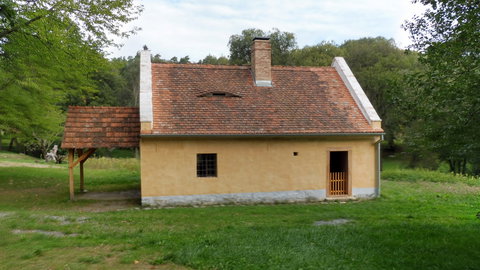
x: 101, y: 107
x: 306, y: 68
x: 243, y: 67
x: 202, y: 66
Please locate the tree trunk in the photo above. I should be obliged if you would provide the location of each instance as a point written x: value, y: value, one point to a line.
x: 452, y: 165
x: 44, y: 148
x: 476, y: 168
x: 12, y: 141
x: 464, y: 166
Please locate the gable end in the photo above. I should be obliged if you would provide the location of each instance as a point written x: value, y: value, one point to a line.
x: 356, y: 91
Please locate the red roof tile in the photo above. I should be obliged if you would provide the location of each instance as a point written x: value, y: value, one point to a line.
x: 97, y: 127
x: 303, y: 100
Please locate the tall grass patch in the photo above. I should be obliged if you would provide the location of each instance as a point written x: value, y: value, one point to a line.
x: 416, y: 175
x: 106, y: 163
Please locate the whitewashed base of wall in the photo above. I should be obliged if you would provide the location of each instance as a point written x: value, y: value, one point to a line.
x: 250, y: 198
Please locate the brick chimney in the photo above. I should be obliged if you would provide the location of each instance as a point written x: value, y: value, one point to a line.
x: 262, y: 61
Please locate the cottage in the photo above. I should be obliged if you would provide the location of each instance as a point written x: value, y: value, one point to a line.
x: 260, y: 133
x: 242, y: 134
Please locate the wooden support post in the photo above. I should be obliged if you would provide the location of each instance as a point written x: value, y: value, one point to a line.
x: 84, y: 157
x: 71, y: 155
x: 82, y: 182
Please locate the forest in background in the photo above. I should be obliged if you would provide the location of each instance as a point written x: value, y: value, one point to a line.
x: 52, y: 56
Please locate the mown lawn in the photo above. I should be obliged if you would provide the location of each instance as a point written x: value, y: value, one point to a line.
x: 422, y: 221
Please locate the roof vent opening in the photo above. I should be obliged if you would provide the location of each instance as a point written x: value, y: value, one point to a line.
x: 218, y: 94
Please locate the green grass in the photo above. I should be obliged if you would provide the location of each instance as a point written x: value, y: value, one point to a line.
x: 394, y: 169
x: 14, y: 157
x: 419, y: 175
x: 418, y: 223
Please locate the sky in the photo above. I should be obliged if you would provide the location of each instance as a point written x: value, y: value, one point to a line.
x: 199, y: 28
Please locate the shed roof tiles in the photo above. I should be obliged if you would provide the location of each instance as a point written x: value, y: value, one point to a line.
x: 98, y: 127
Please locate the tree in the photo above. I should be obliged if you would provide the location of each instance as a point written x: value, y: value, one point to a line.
x: 131, y: 73
x: 51, y: 56
x: 112, y: 86
x: 446, y: 99
x: 95, y: 19
x: 380, y: 67
x: 212, y: 60
x: 321, y: 54
x: 282, y: 45
x: 184, y: 60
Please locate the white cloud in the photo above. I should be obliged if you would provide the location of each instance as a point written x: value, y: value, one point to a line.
x: 198, y: 28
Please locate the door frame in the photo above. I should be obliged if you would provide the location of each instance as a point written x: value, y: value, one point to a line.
x: 349, y: 171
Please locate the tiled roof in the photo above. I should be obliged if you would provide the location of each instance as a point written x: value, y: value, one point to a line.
x: 303, y: 100
x: 97, y: 127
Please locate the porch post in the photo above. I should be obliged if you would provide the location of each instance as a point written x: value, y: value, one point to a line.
x: 71, y: 153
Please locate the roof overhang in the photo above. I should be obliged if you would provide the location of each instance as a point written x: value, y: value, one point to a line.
x: 365, y: 134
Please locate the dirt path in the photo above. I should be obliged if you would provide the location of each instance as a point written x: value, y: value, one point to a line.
x: 24, y: 164
x: 110, y: 201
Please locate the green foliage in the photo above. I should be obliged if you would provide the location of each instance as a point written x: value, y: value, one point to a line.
x: 51, y: 57
x: 240, y: 45
x: 131, y: 73
x: 212, y: 60
x: 282, y: 45
x: 117, y: 81
x: 184, y: 60
x: 381, y: 69
x: 318, y: 55
x: 445, y: 101
x: 92, y: 21
x: 175, y: 60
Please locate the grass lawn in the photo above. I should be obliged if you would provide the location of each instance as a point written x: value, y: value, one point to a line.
x: 424, y: 220
x: 6, y: 156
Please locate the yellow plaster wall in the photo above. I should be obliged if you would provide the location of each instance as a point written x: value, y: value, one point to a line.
x: 168, y: 166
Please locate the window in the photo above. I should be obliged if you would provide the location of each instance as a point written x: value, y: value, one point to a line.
x: 206, y: 165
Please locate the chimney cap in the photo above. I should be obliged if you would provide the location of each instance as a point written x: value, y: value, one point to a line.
x: 261, y: 38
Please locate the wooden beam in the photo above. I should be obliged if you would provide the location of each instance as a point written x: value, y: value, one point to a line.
x: 82, y: 183
x: 83, y: 157
x: 71, y: 153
